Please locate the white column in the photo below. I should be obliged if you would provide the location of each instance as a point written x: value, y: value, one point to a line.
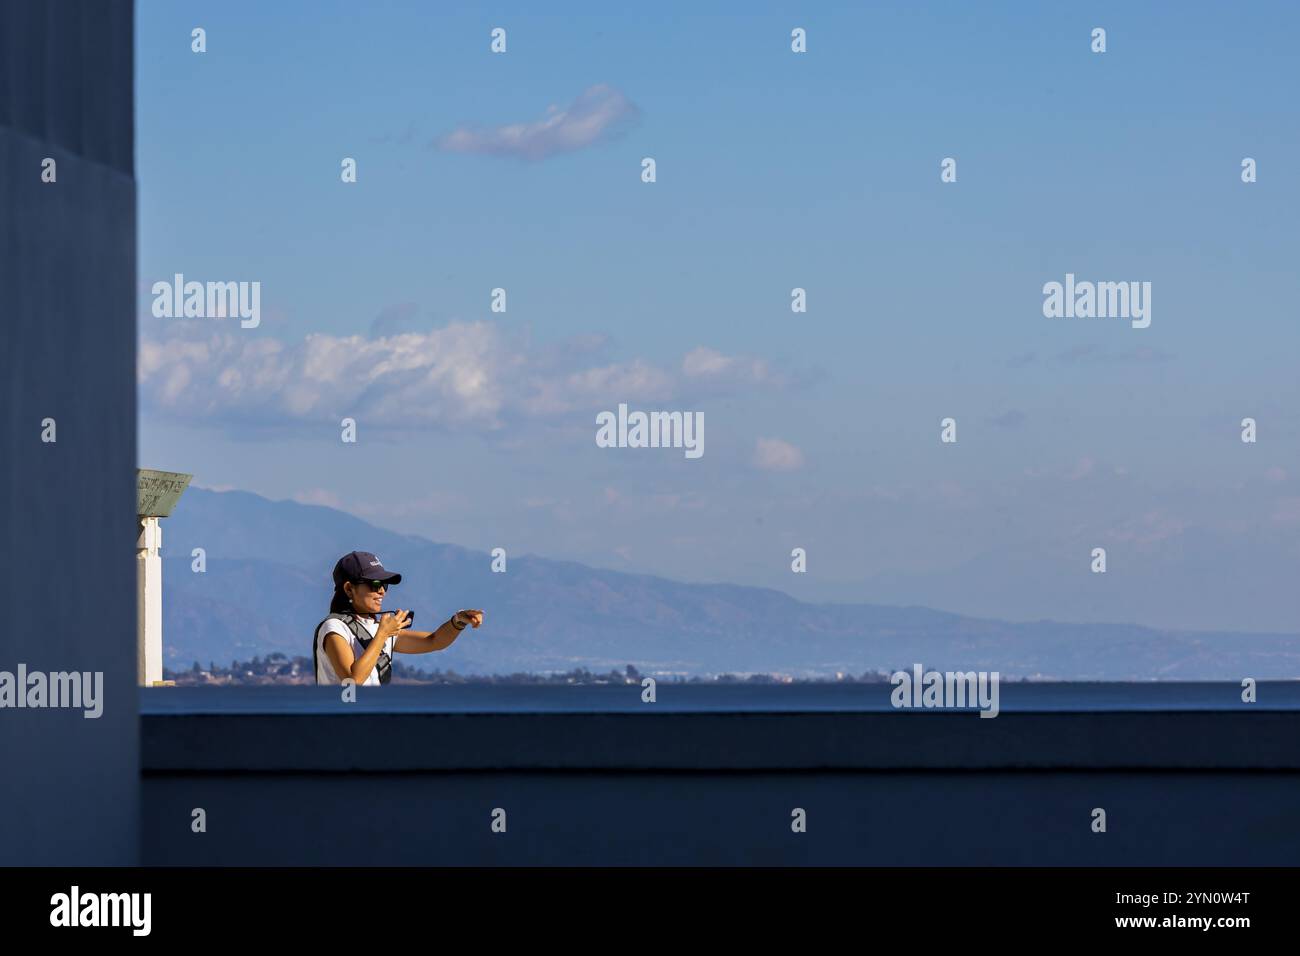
x: 149, y: 660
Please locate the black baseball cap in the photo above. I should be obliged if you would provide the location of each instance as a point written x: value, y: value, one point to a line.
x: 363, y: 566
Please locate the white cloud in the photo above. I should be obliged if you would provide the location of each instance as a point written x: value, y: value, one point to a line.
x: 1150, y: 528
x: 318, y: 496
x: 637, y: 380
x: 465, y: 375
x: 439, y: 377
x: 706, y: 365
x: 599, y: 113
x: 772, y: 454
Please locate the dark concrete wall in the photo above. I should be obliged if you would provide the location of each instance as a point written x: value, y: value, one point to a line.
x: 69, y: 787
x: 1187, y: 776
x: 897, y: 818
x: 876, y: 818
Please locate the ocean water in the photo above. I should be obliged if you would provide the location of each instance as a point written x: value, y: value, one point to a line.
x: 1013, y: 696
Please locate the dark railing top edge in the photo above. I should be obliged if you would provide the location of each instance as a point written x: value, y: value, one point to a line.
x: 382, y: 742
x: 540, y: 700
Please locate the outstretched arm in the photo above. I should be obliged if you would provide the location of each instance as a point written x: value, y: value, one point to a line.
x: 422, y: 642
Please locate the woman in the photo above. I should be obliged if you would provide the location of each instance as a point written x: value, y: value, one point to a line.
x: 358, y: 640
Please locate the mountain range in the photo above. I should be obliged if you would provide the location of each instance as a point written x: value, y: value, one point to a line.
x: 265, y: 584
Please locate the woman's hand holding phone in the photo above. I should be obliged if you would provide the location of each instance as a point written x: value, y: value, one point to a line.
x: 392, y: 623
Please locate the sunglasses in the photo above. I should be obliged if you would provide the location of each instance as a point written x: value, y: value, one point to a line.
x: 376, y: 585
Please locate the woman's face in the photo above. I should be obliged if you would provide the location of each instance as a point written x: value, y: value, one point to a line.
x: 367, y: 600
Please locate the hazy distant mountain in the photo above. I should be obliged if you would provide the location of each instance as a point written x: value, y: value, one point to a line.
x: 267, y: 585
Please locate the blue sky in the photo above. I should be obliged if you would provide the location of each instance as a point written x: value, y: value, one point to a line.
x: 775, y: 170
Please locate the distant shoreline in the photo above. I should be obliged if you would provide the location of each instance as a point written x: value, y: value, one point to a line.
x: 277, y: 669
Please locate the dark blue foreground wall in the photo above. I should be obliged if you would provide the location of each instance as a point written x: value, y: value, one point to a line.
x: 877, y: 819
x: 69, y: 787
x: 1187, y: 775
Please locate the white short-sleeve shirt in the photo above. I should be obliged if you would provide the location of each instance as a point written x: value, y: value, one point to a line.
x: 325, y: 670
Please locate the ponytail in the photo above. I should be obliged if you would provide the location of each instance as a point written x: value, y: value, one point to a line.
x: 339, y: 604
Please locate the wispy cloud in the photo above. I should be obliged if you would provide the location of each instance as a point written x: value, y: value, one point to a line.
x: 1286, y: 511
x: 599, y: 114
x: 1084, y: 467
x: 464, y: 375
x: 318, y: 496
x: 706, y: 366
x: 773, y: 454
x: 1150, y: 528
